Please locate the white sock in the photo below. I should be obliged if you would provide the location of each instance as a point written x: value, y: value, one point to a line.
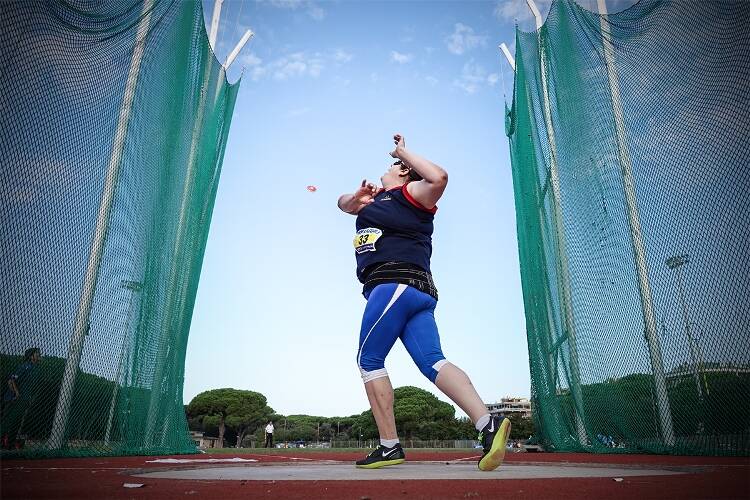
x: 389, y: 443
x: 482, y: 422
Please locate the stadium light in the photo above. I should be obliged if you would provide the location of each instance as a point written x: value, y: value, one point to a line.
x: 675, y: 263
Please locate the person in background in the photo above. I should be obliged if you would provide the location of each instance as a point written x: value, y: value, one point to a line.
x: 269, y: 436
x: 17, y: 398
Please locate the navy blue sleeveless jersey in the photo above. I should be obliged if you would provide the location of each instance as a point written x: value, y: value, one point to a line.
x: 395, y: 227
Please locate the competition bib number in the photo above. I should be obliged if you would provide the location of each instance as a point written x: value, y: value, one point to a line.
x: 365, y: 239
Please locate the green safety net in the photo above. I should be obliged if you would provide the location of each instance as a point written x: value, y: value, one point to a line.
x: 114, y: 122
x: 630, y: 146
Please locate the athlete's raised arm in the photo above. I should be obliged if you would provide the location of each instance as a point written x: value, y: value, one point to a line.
x: 434, y: 179
x: 363, y: 196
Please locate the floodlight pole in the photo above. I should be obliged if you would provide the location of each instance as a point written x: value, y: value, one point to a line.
x: 639, y: 249
x: 508, y: 56
x: 676, y: 264
x: 563, y: 267
x: 81, y: 326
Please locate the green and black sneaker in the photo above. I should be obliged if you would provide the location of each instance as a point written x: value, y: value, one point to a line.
x: 493, y: 438
x: 383, y: 456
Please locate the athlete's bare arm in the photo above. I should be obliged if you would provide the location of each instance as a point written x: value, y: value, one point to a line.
x: 363, y: 196
x: 434, y: 179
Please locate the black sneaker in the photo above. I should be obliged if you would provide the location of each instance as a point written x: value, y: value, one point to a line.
x: 383, y: 456
x: 493, y: 438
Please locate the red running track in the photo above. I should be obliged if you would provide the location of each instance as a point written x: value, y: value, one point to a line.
x: 718, y: 477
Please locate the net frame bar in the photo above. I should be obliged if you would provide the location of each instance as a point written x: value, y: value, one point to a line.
x: 559, y: 239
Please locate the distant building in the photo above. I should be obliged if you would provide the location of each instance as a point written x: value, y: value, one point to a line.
x: 204, y: 442
x: 510, y: 405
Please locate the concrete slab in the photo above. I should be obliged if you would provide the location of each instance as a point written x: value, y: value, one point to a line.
x: 339, y: 471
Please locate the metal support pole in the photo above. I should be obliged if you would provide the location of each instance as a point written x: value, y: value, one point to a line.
x: 215, y: 23
x: 248, y: 34
x: 508, y: 56
x: 562, y: 260
x: 639, y: 249
x: 81, y: 328
x: 166, y: 342
x: 551, y: 346
x: 232, y: 56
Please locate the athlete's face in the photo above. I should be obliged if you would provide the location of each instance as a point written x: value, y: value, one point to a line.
x: 395, y: 173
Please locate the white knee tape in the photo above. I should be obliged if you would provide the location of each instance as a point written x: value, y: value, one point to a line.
x: 367, y: 376
x: 437, y: 366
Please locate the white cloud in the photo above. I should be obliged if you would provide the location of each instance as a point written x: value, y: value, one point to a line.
x: 473, y: 77
x: 254, y: 64
x: 295, y: 65
x: 286, y: 4
x: 518, y: 10
x: 431, y: 80
x: 250, y: 60
x: 463, y: 38
x: 344, y: 82
x: 258, y: 72
x: 298, y: 111
x: 314, y: 10
x: 401, y: 58
x: 341, y: 56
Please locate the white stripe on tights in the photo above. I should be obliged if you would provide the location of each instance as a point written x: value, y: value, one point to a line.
x: 396, y: 294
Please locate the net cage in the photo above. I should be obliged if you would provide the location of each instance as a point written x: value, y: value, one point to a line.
x: 630, y: 149
x: 113, y: 124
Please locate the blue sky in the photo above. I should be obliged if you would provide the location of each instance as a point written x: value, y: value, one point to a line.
x: 325, y: 86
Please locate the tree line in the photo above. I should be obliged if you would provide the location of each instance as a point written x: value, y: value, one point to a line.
x: 238, y: 416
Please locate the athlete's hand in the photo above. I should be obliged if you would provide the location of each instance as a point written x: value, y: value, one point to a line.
x: 398, y: 139
x: 366, y: 192
x: 363, y: 196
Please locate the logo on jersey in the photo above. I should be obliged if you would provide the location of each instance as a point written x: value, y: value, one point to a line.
x: 365, y: 239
